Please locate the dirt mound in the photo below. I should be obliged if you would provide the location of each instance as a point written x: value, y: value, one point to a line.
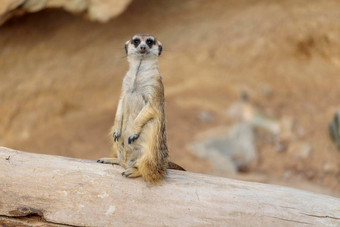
x: 60, y: 78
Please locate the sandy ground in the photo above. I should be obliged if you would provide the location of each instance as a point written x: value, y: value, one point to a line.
x: 60, y: 78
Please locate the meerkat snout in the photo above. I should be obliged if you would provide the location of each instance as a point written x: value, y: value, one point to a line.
x: 142, y: 48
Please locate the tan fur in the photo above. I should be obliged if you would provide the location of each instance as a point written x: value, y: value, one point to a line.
x: 140, y: 116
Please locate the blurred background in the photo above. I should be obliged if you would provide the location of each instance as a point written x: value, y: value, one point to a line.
x: 250, y: 86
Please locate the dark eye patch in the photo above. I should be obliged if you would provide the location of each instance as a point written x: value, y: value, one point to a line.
x: 136, y: 42
x: 150, y: 42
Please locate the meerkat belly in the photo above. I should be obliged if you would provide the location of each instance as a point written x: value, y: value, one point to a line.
x: 134, y: 103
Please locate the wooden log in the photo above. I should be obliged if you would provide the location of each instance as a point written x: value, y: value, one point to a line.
x: 48, y: 190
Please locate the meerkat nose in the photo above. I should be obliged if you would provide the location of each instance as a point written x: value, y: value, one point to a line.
x: 142, y: 49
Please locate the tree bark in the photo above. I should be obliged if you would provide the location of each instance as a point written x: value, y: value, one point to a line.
x: 48, y: 190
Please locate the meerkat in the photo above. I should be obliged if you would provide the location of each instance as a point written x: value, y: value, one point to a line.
x: 139, y: 132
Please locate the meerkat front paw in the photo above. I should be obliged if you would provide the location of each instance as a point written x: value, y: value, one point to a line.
x: 131, y: 173
x: 133, y: 138
x: 116, y: 135
x: 113, y: 161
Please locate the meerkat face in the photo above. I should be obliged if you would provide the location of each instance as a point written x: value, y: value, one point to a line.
x: 143, y: 46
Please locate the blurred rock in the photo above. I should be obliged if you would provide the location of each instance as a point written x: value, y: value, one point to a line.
x: 286, y: 135
x: 283, y: 130
x: 266, y: 90
x: 280, y: 146
x: 287, y: 174
x: 310, y: 174
x: 245, y: 111
x: 330, y: 167
x: 300, y: 150
x: 300, y: 130
x: 206, y: 116
x: 229, y: 152
x: 286, y: 128
x: 334, y: 129
x: 96, y: 10
x: 74, y: 6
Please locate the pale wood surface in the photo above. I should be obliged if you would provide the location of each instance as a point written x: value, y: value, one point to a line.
x: 84, y: 193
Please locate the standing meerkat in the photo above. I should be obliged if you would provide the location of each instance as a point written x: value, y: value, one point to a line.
x: 139, y: 133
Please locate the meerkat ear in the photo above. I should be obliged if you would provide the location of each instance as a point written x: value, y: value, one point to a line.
x: 160, y: 48
x: 126, y: 46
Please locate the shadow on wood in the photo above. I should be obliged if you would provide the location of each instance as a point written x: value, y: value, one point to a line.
x: 52, y: 190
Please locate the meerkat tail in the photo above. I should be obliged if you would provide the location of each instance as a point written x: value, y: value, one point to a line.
x: 153, y: 164
x: 172, y: 165
x: 151, y: 170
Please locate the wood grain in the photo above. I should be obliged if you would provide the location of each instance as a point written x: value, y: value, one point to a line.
x: 46, y: 190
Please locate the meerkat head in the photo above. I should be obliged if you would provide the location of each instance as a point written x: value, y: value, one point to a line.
x: 143, y: 46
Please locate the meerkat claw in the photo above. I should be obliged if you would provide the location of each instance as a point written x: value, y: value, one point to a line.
x: 116, y: 135
x: 113, y: 161
x: 126, y: 174
x: 133, y: 138
x: 131, y: 173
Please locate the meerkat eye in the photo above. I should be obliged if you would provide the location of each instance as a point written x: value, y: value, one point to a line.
x: 136, y: 42
x: 150, y: 42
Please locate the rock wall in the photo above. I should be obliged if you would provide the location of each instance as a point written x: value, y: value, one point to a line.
x: 96, y: 10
